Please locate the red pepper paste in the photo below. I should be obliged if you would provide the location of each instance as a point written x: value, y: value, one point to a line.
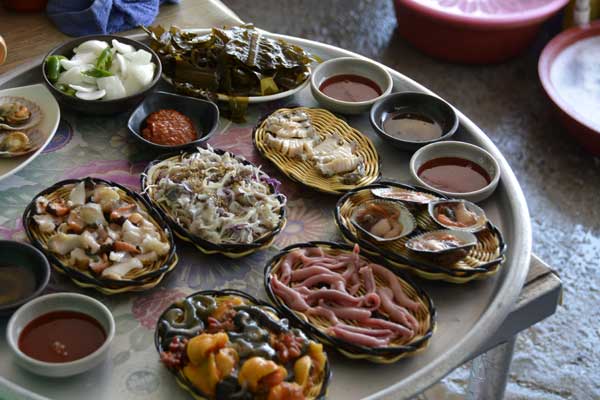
x: 169, y: 127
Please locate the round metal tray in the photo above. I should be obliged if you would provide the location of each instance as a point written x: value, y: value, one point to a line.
x: 467, y: 314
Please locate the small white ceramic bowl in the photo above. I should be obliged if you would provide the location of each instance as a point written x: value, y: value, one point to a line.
x: 460, y: 150
x: 351, y: 66
x: 60, y: 302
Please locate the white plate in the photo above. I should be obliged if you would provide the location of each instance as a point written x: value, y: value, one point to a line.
x: 251, y: 99
x: 40, y: 95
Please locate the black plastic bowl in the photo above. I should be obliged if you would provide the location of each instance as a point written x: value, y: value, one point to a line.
x: 24, y: 255
x: 100, y: 107
x: 203, y: 113
x: 417, y: 103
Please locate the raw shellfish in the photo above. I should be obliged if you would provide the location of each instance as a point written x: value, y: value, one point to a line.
x: 458, y: 214
x: 14, y: 142
x: 18, y: 113
x: 444, y: 245
x: 383, y: 220
x: 411, y: 197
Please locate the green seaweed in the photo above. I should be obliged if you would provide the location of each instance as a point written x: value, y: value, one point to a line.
x: 237, y: 62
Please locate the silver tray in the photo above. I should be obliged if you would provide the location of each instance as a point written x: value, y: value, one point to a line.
x: 467, y: 314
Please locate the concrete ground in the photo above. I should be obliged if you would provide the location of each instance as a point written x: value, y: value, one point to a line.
x: 560, y: 357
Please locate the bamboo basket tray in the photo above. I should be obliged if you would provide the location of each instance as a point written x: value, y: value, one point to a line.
x: 148, y: 178
x: 143, y: 285
x: 303, y: 171
x: 317, y: 392
x: 135, y: 280
x: 481, y: 262
x: 317, y: 326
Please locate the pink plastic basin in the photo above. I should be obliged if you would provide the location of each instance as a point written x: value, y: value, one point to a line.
x: 473, y: 31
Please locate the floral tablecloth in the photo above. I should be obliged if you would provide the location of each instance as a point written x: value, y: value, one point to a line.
x: 103, y: 147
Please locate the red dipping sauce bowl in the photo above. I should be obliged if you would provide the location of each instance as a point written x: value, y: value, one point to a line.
x: 561, y: 65
x: 78, y: 328
x: 350, y: 85
x: 471, y: 168
x: 475, y: 32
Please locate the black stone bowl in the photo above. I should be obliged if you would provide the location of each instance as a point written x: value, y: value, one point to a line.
x: 414, y: 103
x: 100, y: 107
x: 203, y: 113
x: 25, y: 256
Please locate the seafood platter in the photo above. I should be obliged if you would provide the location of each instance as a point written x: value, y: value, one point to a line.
x: 232, y: 214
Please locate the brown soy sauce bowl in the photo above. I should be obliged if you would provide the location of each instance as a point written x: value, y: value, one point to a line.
x: 431, y: 108
x: 23, y: 255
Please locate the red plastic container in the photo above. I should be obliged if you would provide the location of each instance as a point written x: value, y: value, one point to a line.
x: 473, y: 31
x: 574, y: 122
x: 25, y: 6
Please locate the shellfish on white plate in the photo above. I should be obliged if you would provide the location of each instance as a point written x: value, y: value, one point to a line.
x: 410, y: 197
x: 18, y: 113
x: 458, y: 214
x: 445, y: 245
x: 19, y: 143
x: 383, y: 220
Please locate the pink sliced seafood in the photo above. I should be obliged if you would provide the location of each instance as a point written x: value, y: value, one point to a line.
x: 340, y: 288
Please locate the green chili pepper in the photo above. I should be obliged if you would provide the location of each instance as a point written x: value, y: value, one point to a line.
x: 96, y: 72
x: 66, y: 89
x: 53, y: 68
x: 105, y: 60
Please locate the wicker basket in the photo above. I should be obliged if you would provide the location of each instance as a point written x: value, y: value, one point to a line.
x: 135, y: 280
x: 481, y: 262
x: 230, y: 250
x: 317, y: 326
x: 303, y: 171
x: 318, y: 391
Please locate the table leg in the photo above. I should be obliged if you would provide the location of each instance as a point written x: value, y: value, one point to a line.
x: 489, y: 372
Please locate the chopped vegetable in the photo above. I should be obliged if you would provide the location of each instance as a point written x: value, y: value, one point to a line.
x: 98, y: 71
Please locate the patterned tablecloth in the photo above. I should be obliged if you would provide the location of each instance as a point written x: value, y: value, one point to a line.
x: 103, y: 147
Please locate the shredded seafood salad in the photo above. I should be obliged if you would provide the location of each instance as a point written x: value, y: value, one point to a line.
x: 217, y: 197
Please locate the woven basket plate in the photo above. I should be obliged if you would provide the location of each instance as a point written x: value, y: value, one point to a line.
x: 482, y: 261
x: 149, y: 177
x: 317, y: 326
x: 137, y: 279
x: 304, y: 172
x: 317, y: 391
x: 142, y: 286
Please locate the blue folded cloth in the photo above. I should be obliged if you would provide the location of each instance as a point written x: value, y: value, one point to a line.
x: 87, y: 17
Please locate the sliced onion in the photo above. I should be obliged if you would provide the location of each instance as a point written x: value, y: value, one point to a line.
x: 84, y: 88
x: 97, y: 95
x: 122, y: 47
x: 91, y: 46
x: 122, y: 66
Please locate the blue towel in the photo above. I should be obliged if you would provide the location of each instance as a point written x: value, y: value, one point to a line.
x: 87, y: 17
